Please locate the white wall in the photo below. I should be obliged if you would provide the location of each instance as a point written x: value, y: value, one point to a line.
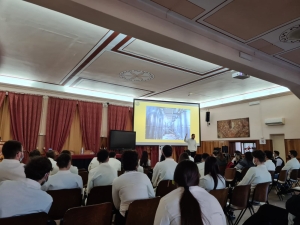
x: 287, y: 107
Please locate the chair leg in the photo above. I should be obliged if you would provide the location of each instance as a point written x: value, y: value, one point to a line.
x: 240, y: 216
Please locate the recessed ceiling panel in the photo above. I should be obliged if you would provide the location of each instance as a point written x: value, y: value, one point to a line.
x: 265, y: 46
x: 293, y: 56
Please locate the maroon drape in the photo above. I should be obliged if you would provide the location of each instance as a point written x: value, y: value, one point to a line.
x: 178, y: 150
x: 90, y: 115
x: 2, y: 97
x: 59, y: 119
x: 117, y: 117
x: 25, y: 116
x: 139, y: 150
x: 154, y: 155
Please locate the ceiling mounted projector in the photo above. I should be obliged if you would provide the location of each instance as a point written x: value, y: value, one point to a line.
x: 240, y: 75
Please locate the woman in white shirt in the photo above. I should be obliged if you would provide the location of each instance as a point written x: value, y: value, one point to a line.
x: 212, y: 179
x: 144, y: 161
x: 189, y: 204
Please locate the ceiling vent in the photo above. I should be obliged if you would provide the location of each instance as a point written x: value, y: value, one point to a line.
x: 240, y: 75
x: 136, y: 75
x: 274, y: 122
x: 291, y: 35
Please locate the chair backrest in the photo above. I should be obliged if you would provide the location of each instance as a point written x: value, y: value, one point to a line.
x: 84, y: 175
x: 165, y: 187
x: 240, y: 196
x: 222, y: 170
x: 35, y: 218
x: 272, y: 174
x: 142, y: 211
x: 282, y: 176
x: 221, y: 195
x: 298, y: 173
x: 278, y: 169
x: 120, y: 173
x: 100, y: 195
x: 62, y: 201
x: 294, y: 174
x: 81, y: 169
x: 260, y: 193
x: 89, y: 215
x: 230, y: 173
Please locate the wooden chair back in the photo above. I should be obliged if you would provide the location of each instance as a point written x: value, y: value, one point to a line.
x: 120, y: 173
x: 35, y: 218
x: 81, y: 170
x: 221, y: 195
x: 240, y: 197
x: 142, y: 211
x: 222, y: 170
x: 282, y: 176
x: 278, y: 169
x: 100, y: 194
x: 272, y: 174
x: 62, y: 201
x: 165, y: 187
x: 243, y: 173
x: 89, y: 215
x: 85, y: 176
x: 294, y: 174
x: 260, y: 193
x: 230, y: 174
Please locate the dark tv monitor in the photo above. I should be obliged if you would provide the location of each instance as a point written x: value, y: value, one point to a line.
x: 119, y: 139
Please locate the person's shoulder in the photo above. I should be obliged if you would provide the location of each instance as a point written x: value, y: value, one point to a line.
x: 46, y: 197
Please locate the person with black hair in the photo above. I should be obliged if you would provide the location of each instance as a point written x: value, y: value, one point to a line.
x: 113, y: 162
x: 268, y: 163
x: 63, y: 179
x: 279, y: 160
x: 189, y: 204
x: 164, y: 170
x: 162, y: 158
x: 51, y: 156
x: 246, y: 162
x: 183, y: 156
x: 103, y: 174
x: 11, y: 167
x: 34, y: 153
x: 221, y: 160
x: 236, y: 159
x: 23, y: 197
x: 293, y: 163
x: 130, y: 186
x: 189, y: 154
x: 258, y: 174
x: 198, y: 158
x: 73, y: 169
x: 213, y: 179
x: 202, y: 164
x: 145, y: 161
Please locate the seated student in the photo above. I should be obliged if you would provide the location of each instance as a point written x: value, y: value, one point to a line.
x: 189, y: 203
x: 213, y: 179
x: 145, y: 161
x: 73, y: 169
x: 162, y: 158
x: 130, y: 186
x: 93, y: 163
x: 103, y: 174
x: 258, y: 174
x: 63, y: 179
x: 189, y: 154
x: 293, y: 163
x: 183, y: 156
x: 51, y: 156
x: 34, y: 153
x: 246, y: 162
x: 202, y: 164
x: 221, y: 160
x: 165, y: 169
x: 116, y: 164
x: 25, y: 196
x: 236, y: 159
x: 198, y: 158
x: 278, y: 159
x: 268, y: 163
x: 10, y: 167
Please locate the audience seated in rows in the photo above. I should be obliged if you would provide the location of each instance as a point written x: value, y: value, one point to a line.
x: 237, y: 158
x: 63, y: 179
x: 103, y: 174
x: 269, y: 163
x: 213, y: 179
x: 51, y: 156
x: 10, y: 167
x: 246, y: 162
x: 113, y: 162
x: 21, y: 197
x: 164, y: 170
x: 183, y: 156
x: 221, y: 160
x: 73, y: 169
x: 189, y: 154
x: 202, y: 164
x: 130, y: 186
x: 189, y: 203
x: 144, y: 161
x: 278, y: 159
x: 292, y: 164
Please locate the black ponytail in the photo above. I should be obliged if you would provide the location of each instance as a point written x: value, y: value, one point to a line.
x: 211, y: 167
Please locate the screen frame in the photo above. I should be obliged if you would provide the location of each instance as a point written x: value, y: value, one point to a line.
x: 121, y: 148
x: 187, y: 103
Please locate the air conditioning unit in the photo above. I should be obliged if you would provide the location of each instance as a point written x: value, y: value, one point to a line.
x: 274, y: 122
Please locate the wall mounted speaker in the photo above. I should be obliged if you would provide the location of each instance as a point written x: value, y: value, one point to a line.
x: 207, y: 117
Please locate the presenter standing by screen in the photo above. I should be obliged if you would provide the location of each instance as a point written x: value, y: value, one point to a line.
x: 192, y: 144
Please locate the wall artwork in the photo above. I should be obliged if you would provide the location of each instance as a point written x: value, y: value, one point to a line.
x: 236, y: 128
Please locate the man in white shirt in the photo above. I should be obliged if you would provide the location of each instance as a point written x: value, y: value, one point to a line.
x: 10, y: 167
x: 130, y: 186
x: 93, y: 163
x: 269, y: 163
x: 279, y: 160
x: 293, y: 163
x: 63, y: 179
x: 202, y: 164
x: 114, y: 162
x: 192, y: 144
x: 51, y: 156
x: 73, y: 169
x: 103, y: 174
x: 164, y: 170
x: 21, y: 197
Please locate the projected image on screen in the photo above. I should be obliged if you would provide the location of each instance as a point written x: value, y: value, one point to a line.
x: 167, y: 123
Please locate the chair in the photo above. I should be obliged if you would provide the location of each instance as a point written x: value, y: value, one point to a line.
x: 120, y: 173
x: 62, y: 201
x: 165, y: 187
x: 293, y: 177
x: 35, y: 218
x: 221, y: 195
x: 222, y: 170
x: 298, y: 179
x: 260, y: 194
x: 142, y: 211
x: 281, y: 182
x: 278, y: 169
x: 230, y: 175
x: 100, y: 194
x: 84, y: 175
x: 81, y: 170
x: 89, y: 215
x: 272, y: 176
x: 243, y: 173
x: 239, y: 201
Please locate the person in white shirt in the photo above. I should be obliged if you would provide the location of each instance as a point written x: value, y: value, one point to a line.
x: 73, y: 169
x: 63, y: 179
x: 293, y: 163
x: 192, y: 144
x: 164, y: 170
x: 202, y: 164
x: 51, y: 156
x: 258, y: 174
x: 189, y: 203
x: 145, y: 161
x: 103, y: 174
x: 269, y: 163
x: 21, y: 197
x: 93, y: 163
x: 130, y: 186
x: 183, y: 156
x: 213, y: 179
x: 115, y: 163
x: 10, y: 167
x: 279, y: 160
x: 189, y: 154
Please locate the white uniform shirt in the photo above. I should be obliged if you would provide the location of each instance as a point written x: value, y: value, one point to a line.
x: 270, y: 165
x: 201, y: 168
x: 256, y: 175
x: 279, y: 161
x: 148, y: 163
x: 191, y: 158
x: 163, y: 171
x: 63, y: 179
x: 128, y: 187
x: 207, y: 182
x: 55, y: 168
x: 192, y: 144
x: 74, y: 169
x: 116, y: 164
x: 168, y: 211
x: 140, y: 169
x: 23, y: 197
x: 291, y: 165
x: 93, y: 163
x: 102, y: 175
x: 11, y: 169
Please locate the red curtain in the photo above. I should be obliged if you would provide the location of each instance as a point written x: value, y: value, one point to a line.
x: 59, y: 119
x: 90, y: 115
x: 154, y: 155
x: 25, y: 114
x: 2, y: 97
x: 117, y: 117
x: 139, y: 150
x: 178, y: 150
